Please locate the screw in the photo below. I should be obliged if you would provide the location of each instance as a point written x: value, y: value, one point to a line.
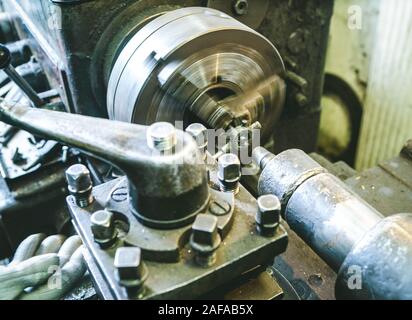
x: 103, y: 229
x: 65, y: 154
x: 161, y: 136
x: 199, y: 132
x: 119, y: 194
x: 131, y: 271
x: 205, y: 239
x: 229, y: 172
x: 268, y: 215
x: 241, y: 7
x: 80, y: 184
x: 220, y: 208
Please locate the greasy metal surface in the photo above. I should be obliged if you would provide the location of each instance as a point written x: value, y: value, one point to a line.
x: 388, y: 187
x: 300, y: 265
x: 283, y: 174
x: 385, y: 192
x: 262, y: 287
x: 283, y: 18
x: 157, y: 245
x: 252, y: 16
x: 381, y: 261
x: 329, y: 217
x: 24, y: 86
x: 217, y: 57
x: 76, y: 26
x: 242, y: 249
x: 179, y: 178
x: 20, y: 143
x: 75, y: 48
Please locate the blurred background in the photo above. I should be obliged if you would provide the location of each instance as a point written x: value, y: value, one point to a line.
x: 367, y: 101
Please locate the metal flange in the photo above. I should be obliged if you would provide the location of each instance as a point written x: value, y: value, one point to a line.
x: 183, y: 63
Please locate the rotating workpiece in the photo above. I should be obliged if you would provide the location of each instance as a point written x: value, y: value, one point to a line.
x: 169, y: 72
x: 127, y: 135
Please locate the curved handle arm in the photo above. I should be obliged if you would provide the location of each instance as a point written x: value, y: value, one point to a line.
x: 152, y: 176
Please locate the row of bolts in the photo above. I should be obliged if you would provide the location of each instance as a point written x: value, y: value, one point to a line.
x: 205, y: 239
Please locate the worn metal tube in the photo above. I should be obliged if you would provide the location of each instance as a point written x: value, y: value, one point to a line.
x: 329, y: 217
x: 319, y: 207
x: 285, y: 172
x: 372, y: 255
x: 379, y: 266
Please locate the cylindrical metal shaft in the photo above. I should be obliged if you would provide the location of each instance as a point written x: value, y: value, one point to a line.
x: 328, y: 216
x: 353, y: 238
x: 319, y: 207
x: 24, y: 86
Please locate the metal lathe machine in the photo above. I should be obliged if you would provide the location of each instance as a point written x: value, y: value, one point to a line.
x: 164, y: 149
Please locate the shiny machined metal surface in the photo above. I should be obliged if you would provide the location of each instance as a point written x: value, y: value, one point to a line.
x: 174, y: 272
x: 319, y: 207
x: 284, y: 173
x: 184, y: 73
x: 329, y: 217
x: 372, y: 255
x: 153, y: 177
x: 379, y: 266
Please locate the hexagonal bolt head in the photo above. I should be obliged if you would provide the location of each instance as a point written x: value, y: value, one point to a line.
x: 103, y: 229
x: 161, y: 136
x: 131, y: 271
x: 268, y: 215
x: 205, y: 230
x: 199, y: 132
x: 78, y: 178
x: 229, y: 172
x: 205, y: 239
x: 240, y: 7
x: 80, y: 184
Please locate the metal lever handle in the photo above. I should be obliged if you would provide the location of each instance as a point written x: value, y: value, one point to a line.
x: 166, y: 190
x: 5, y: 64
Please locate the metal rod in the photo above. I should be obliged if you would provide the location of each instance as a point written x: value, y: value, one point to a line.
x: 24, y: 86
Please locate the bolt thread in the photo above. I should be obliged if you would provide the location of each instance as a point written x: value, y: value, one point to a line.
x: 85, y: 200
x: 267, y: 231
x: 229, y: 186
x: 206, y: 260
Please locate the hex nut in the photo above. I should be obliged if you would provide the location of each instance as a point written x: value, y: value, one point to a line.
x: 268, y: 215
x: 131, y: 271
x: 161, y: 136
x: 78, y: 178
x: 199, y: 132
x: 80, y: 184
x: 205, y: 238
x: 103, y: 229
x: 229, y: 172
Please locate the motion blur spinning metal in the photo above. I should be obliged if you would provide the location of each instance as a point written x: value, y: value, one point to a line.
x: 181, y: 223
x: 170, y: 72
x: 166, y: 193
